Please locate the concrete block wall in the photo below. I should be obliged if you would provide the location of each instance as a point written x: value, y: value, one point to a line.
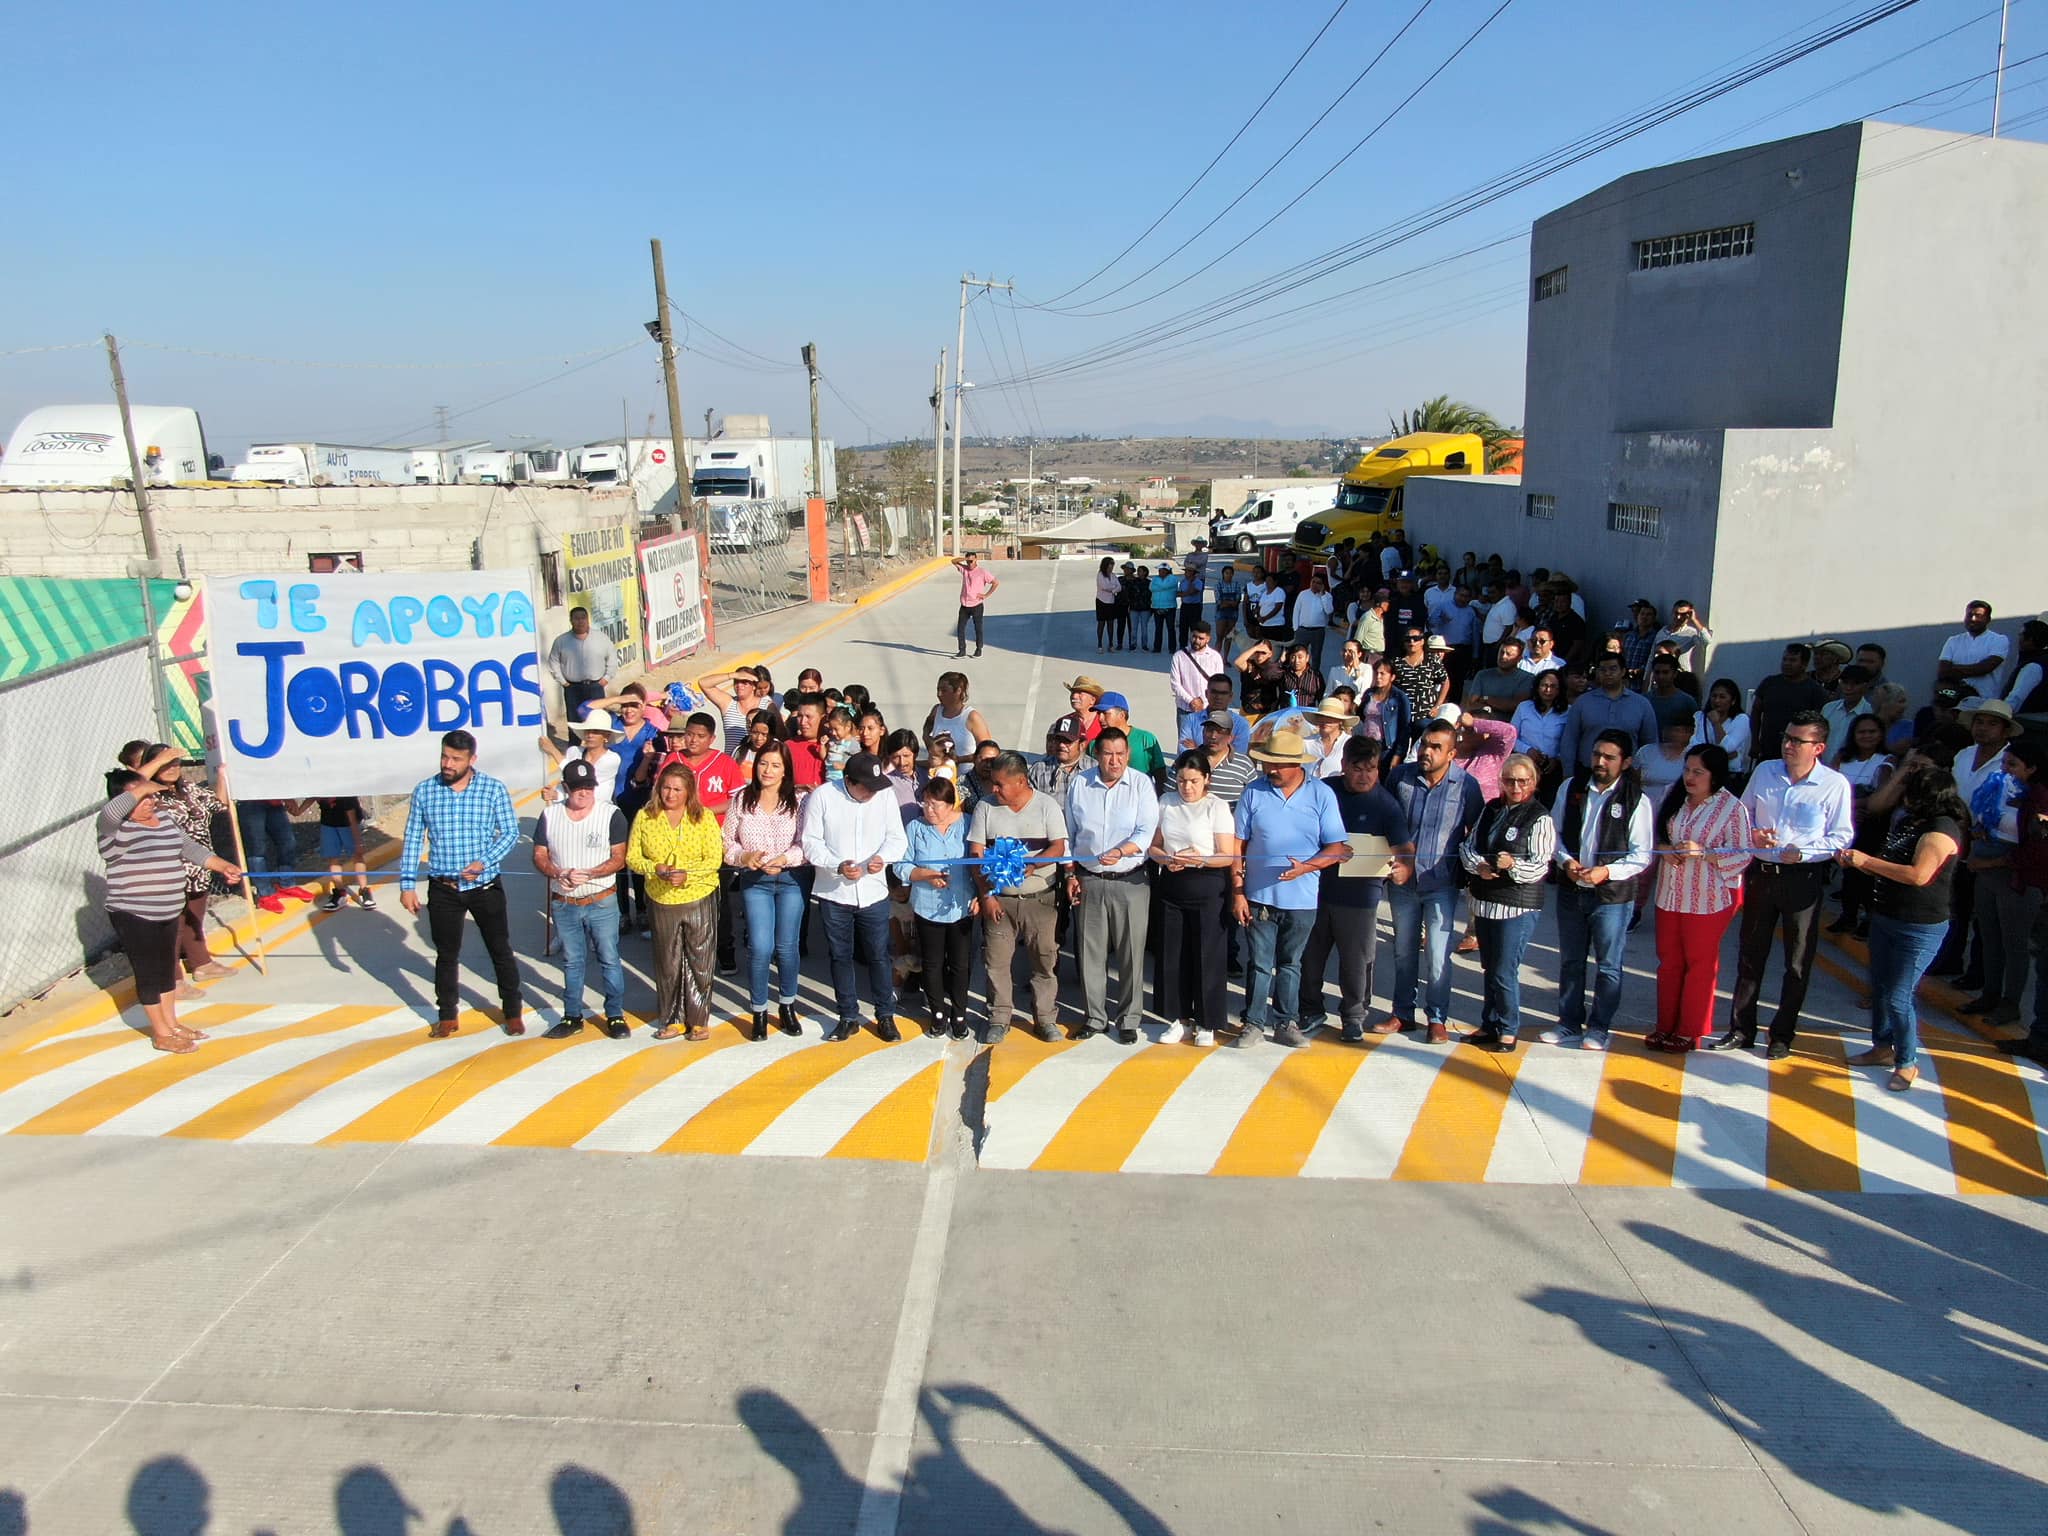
x: 209, y: 531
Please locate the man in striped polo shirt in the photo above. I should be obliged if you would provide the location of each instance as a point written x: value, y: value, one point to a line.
x: 580, y: 846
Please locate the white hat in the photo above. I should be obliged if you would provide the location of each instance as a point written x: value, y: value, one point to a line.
x: 1438, y: 643
x: 1450, y: 712
x: 597, y: 720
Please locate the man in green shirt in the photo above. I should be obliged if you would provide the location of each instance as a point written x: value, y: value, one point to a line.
x: 1146, y: 758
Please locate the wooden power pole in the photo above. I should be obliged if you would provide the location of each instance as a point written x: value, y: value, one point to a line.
x: 810, y: 356
x: 138, y: 480
x: 665, y: 331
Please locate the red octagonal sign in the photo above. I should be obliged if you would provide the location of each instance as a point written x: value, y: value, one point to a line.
x: 660, y: 455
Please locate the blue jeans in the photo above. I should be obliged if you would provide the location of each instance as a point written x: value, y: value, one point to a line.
x: 775, y: 916
x: 1422, y: 917
x: 864, y: 930
x: 1502, y: 941
x: 1274, y: 942
x: 269, y: 839
x: 581, y: 929
x: 1899, y: 956
x: 1583, y: 921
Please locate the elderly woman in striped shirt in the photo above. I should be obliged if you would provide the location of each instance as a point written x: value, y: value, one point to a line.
x: 1704, y: 831
x: 146, y: 855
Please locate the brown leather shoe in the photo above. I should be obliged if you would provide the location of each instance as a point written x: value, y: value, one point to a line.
x: 515, y: 1025
x: 1876, y: 1056
x: 1468, y: 945
x: 1439, y: 1035
x: 441, y: 1029
x: 1391, y: 1025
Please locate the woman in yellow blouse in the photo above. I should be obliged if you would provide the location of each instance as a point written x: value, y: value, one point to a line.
x: 676, y: 846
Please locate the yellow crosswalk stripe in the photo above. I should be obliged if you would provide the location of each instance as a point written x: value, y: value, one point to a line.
x: 1454, y: 1134
x: 411, y: 1110
x: 95, y: 1105
x: 1812, y: 1142
x: 899, y: 1128
x: 1279, y: 1131
x: 574, y: 1113
x: 260, y: 1103
x: 731, y: 1124
x: 1100, y: 1134
x: 1015, y: 1057
x: 1635, y: 1120
x: 1992, y: 1138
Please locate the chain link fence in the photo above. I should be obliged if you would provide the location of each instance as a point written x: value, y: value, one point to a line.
x: 64, y: 726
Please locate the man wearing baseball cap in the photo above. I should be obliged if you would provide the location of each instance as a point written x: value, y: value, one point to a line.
x: 1063, y: 760
x: 852, y: 833
x: 1146, y: 758
x: 579, y: 844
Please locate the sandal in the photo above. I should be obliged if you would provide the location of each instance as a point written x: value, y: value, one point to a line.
x: 1903, y: 1078
x: 176, y: 1045
x: 698, y: 1032
x: 668, y: 1032
x: 1658, y: 1040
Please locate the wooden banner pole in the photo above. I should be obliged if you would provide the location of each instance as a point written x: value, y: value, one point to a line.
x: 227, y: 793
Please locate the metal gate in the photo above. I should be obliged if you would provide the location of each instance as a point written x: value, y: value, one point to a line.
x: 760, y: 558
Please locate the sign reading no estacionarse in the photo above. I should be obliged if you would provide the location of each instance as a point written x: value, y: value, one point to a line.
x: 343, y: 685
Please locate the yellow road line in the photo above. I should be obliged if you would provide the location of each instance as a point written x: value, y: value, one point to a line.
x: 574, y: 1113
x: 260, y: 1103
x: 1635, y: 1120
x: 1016, y: 1056
x: 1275, y: 1136
x: 899, y: 1129
x: 1812, y: 1140
x: 730, y: 1123
x: 1453, y: 1136
x: 1993, y: 1143
x: 98, y: 1104
x: 411, y: 1110
x: 1108, y: 1124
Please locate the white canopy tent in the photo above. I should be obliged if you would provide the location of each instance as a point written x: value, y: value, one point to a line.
x: 1091, y: 528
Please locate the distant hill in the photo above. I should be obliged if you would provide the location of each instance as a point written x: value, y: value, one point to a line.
x: 1131, y: 459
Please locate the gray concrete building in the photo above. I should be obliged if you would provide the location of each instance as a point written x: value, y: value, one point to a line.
x: 1798, y: 383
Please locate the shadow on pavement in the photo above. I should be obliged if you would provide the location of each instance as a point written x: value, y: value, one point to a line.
x: 1945, y: 1297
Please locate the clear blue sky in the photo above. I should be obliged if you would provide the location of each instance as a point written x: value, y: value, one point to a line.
x: 465, y: 183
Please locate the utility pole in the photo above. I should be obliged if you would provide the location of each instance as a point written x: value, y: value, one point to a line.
x: 664, y: 331
x: 967, y: 281
x: 441, y: 422
x: 1030, y: 507
x: 1998, y: 86
x: 810, y: 356
x: 939, y: 452
x: 137, y: 480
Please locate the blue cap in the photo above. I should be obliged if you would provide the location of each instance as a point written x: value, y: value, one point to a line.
x: 1113, y: 701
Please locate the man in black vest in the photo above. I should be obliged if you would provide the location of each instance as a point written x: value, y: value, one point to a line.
x: 1603, y: 849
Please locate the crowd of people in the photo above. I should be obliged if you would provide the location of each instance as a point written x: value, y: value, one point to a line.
x: 1473, y: 747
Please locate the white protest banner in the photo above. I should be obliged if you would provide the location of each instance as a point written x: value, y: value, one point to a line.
x: 672, y: 583
x: 344, y: 684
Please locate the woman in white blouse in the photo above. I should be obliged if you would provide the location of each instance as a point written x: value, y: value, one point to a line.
x: 1724, y: 724
x: 1109, y: 602
x: 595, y: 734
x: 1195, y: 846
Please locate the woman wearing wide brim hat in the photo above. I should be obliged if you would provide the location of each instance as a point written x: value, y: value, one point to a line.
x: 1333, y: 720
x: 596, y: 735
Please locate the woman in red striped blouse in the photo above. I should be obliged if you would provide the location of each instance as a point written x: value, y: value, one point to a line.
x: 1699, y: 889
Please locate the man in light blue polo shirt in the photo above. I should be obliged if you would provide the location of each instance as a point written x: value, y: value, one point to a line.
x: 1291, y: 830
x: 1112, y: 812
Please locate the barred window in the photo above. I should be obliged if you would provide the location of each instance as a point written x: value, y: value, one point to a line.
x: 1635, y: 517
x: 1542, y: 506
x: 1550, y: 284
x: 1723, y: 244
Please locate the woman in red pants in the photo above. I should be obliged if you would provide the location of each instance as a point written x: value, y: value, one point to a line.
x: 1703, y: 832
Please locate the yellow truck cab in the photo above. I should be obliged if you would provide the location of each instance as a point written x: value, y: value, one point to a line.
x: 1369, y: 496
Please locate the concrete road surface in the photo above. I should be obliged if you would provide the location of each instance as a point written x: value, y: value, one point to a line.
x: 327, y: 1276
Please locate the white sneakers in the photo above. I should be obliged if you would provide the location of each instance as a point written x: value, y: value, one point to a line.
x: 1174, y: 1033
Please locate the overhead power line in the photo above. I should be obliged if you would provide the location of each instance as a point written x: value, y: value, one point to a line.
x: 1242, y: 127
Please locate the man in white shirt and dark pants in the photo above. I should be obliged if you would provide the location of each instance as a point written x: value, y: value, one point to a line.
x: 853, y: 831
x: 1603, y: 849
x: 582, y: 661
x: 1799, y: 812
x: 1111, y: 816
x: 1978, y: 651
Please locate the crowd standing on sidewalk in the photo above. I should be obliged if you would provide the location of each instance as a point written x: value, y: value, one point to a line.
x: 1476, y: 744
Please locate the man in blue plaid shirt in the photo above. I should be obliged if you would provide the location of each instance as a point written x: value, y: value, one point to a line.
x: 462, y: 825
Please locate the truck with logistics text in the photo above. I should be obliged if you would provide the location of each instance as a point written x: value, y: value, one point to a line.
x: 751, y: 490
x: 82, y: 445
x: 1369, y: 495
x: 323, y: 464
x: 1269, y: 515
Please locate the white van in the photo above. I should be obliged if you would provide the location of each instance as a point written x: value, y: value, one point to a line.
x: 1270, y: 516
x: 81, y: 445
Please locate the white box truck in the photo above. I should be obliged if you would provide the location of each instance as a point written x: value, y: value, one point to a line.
x: 751, y: 490
x: 82, y: 445
x: 1269, y: 515
x: 439, y: 463
x: 491, y: 466
x: 324, y: 464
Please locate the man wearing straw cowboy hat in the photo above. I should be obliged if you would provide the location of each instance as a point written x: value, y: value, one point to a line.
x: 1289, y: 825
